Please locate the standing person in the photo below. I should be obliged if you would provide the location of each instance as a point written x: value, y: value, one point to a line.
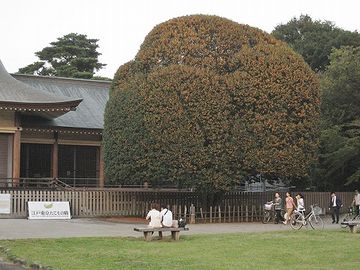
x: 290, y: 205
x: 356, y: 202
x: 278, y: 204
x: 166, y: 217
x: 334, y: 205
x: 154, y: 216
x: 300, y: 203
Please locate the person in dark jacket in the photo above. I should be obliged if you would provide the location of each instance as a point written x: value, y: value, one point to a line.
x: 335, y: 205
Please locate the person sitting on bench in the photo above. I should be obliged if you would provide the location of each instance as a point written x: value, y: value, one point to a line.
x: 154, y: 216
x: 166, y: 217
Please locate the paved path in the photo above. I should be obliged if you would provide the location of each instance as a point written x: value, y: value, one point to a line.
x: 23, y: 228
x: 8, y: 266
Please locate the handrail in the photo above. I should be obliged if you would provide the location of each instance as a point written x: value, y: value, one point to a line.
x: 61, y: 184
x: 40, y: 183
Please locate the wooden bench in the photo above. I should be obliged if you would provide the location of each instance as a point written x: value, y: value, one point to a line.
x: 352, y: 224
x: 148, y: 232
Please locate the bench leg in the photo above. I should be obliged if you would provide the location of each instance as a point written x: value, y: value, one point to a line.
x: 148, y: 236
x: 353, y: 229
x: 175, y: 236
x: 160, y: 235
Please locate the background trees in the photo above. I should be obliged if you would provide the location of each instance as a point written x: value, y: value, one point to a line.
x: 73, y: 55
x: 339, y: 161
x: 207, y: 100
x: 315, y: 39
x: 320, y: 43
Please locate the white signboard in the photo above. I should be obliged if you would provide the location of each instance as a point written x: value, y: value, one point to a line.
x: 49, y: 210
x: 5, y: 203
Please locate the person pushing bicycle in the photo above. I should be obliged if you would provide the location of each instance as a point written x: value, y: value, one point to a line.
x: 300, y: 205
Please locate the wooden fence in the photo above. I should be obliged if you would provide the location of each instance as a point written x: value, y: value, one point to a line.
x: 234, y: 207
x: 91, y: 203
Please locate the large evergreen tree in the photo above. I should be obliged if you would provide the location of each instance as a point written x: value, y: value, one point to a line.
x: 314, y: 39
x: 73, y: 55
x: 207, y: 99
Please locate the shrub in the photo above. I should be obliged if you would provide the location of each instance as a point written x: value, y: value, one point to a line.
x: 207, y: 100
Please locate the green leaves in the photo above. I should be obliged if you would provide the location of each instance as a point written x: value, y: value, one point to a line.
x: 339, y: 162
x: 314, y: 40
x: 37, y: 68
x: 340, y: 86
x: 213, y: 99
x: 73, y: 55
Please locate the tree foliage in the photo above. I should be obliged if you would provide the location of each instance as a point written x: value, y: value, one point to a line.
x: 314, y: 39
x: 341, y: 87
x: 340, y: 140
x: 207, y: 99
x: 73, y: 55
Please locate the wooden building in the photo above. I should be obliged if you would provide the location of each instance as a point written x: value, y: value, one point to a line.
x: 51, y: 130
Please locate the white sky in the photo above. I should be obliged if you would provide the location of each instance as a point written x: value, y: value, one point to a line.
x: 27, y: 26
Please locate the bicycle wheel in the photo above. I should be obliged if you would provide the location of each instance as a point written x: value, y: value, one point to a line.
x: 316, y: 222
x: 266, y: 217
x: 296, y: 221
x: 344, y: 218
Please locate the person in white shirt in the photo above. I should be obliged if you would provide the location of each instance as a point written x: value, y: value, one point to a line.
x: 154, y: 216
x: 356, y: 202
x: 166, y: 217
x: 300, y: 203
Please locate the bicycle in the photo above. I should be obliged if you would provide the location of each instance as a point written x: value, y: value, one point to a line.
x: 352, y: 214
x: 269, y: 212
x: 298, y: 219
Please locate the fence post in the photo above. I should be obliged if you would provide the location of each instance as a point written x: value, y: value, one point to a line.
x: 246, y: 213
x: 219, y: 214
x: 238, y: 213
x: 133, y: 204
x: 229, y: 212
x: 234, y: 211
x: 210, y: 214
x: 192, y: 214
x: 174, y: 211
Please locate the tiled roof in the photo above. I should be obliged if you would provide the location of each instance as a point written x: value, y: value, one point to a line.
x: 19, y: 96
x: 89, y: 113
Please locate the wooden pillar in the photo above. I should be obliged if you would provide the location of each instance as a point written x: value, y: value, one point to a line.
x: 16, y: 152
x: 101, y: 167
x: 55, y: 157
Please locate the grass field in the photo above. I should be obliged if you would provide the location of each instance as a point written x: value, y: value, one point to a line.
x: 280, y: 250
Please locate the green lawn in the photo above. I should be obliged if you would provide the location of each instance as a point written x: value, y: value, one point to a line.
x: 281, y: 250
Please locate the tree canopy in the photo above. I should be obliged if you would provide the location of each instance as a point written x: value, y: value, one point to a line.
x: 340, y: 137
x: 73, y: 55
x: 206, y: 100
x: 314, y: 39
